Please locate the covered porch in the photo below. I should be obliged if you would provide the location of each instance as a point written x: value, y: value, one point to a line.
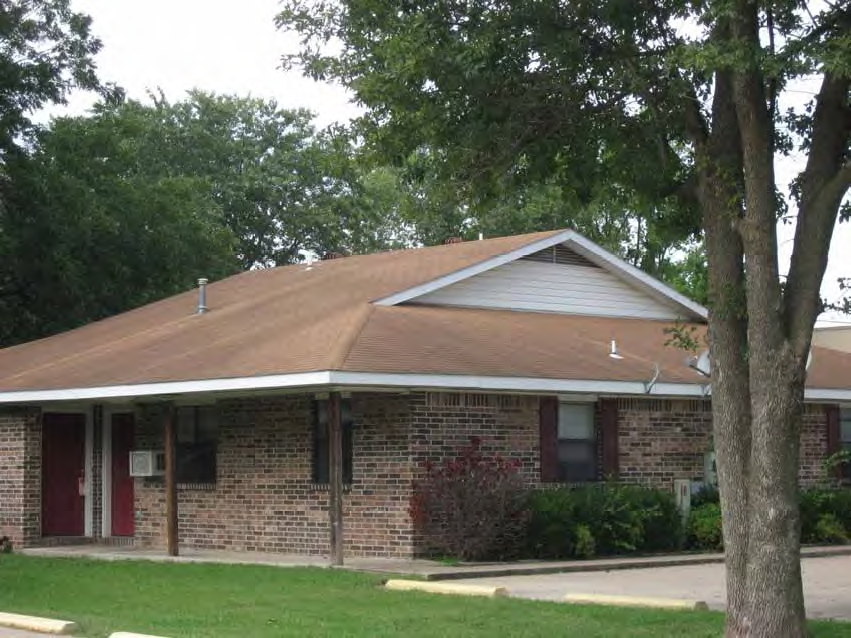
x: 263, y: 473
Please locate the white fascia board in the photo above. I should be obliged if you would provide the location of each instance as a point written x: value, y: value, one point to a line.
x: 610, y: 262
x: 827, y: 394
x: 513, y: 384
x: 334, y: 379
x: 277, y: 381
x: 475, y: 269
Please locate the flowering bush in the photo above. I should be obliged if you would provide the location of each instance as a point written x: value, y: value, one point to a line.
x: 472, y: 506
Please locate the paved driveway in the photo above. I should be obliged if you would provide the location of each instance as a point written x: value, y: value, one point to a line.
x: 827, y: 584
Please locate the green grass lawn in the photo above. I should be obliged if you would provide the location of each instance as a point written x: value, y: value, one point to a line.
x: 184, y: 600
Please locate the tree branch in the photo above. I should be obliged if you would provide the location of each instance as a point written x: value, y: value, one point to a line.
x: 759, y: 225
x: 695, y: 122
x: 824, y: 183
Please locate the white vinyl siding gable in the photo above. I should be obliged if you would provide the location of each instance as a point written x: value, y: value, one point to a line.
x: 550, y: 287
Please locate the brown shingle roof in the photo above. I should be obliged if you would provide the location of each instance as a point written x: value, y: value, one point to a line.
x: 299, y: 319
x: 441, y: 340
x: 281, y: 320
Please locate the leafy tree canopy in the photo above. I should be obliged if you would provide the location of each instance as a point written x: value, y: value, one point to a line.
x: 46, y: 50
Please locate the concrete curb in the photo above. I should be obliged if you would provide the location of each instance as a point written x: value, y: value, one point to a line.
x: 34, y: 623
x: 607, y: 564
x: 446, y: 588
x: 604, y: 565
x: 127, y: 634
x: 633, y: 601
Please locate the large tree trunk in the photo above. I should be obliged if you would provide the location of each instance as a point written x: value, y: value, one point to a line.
x: 775, y: 599
x: 775, y: 604
x: 719, y: 188
x: 731, y: 416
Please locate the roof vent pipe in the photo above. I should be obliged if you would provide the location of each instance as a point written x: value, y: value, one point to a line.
x: 202, y: 297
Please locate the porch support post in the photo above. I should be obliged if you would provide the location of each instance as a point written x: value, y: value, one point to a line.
x: 335, y: 505
x: 170, y: 481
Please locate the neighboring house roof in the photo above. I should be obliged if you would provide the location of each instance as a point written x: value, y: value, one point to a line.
x: 834, y: 337
x: 373, y: 321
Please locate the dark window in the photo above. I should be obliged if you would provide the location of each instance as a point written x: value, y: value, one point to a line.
x: 197, y: 433
x: 577, y: 443
x: 321, y: 442
x: 845, y: 438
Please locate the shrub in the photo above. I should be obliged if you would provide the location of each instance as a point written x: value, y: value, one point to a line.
x: 704, y: 527
x: 825, y: 515
x: 841, y: 507
x: 663, y: 521
x: 5, y: 545
x: 585, y: 545
x: 471, y: 507
x: 830, y: 530
x: 601, y: 520
x: 707, y: 494
x: 812, y: 503
x: 551, y: 532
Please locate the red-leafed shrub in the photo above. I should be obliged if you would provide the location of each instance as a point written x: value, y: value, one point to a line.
x: 472, y: 506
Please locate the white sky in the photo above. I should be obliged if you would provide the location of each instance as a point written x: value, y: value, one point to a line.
x: 230, y: 47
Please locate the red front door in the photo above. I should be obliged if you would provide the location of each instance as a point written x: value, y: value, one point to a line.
x: 63, y: 461
x: 123, y: 435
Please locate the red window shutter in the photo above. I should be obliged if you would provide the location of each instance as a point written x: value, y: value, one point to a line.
x: 609, y: 434
x: 549, y: 439
x: 833, y: 434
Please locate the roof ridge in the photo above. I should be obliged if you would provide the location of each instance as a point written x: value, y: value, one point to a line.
x: 344, y: 344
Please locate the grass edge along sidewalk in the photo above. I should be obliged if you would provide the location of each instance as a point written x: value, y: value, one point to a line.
x: 212, y: 600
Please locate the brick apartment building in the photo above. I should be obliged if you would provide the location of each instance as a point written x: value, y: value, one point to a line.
x: 307, y: 398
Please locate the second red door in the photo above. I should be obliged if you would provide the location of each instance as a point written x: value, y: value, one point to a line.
x: 123, y: 436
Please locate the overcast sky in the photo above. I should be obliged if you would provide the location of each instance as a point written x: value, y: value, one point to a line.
x: 230, y: 47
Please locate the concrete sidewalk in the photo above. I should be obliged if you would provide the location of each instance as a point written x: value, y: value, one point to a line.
x: 416, y: 568
x: 827, y: 585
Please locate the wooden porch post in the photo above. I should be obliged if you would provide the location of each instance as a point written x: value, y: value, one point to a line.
x: 335, y: 505
x: 170, y: 482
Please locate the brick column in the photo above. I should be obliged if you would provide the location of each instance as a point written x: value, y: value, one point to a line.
x: 20, y: 475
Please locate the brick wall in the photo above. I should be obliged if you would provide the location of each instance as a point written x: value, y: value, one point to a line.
x: 813, y: 445
x: 664, y: 440
x: 20, y: 476
x: 96, y: 490
x: 443, y: 423
x: 264, y: 500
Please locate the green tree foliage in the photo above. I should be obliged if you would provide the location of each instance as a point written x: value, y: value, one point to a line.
x: 483, y: 97
x: 280, y: 186
x: 46, y: 50
x: 86, y: 233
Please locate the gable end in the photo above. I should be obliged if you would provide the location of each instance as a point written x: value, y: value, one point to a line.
x: 544, y: 285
